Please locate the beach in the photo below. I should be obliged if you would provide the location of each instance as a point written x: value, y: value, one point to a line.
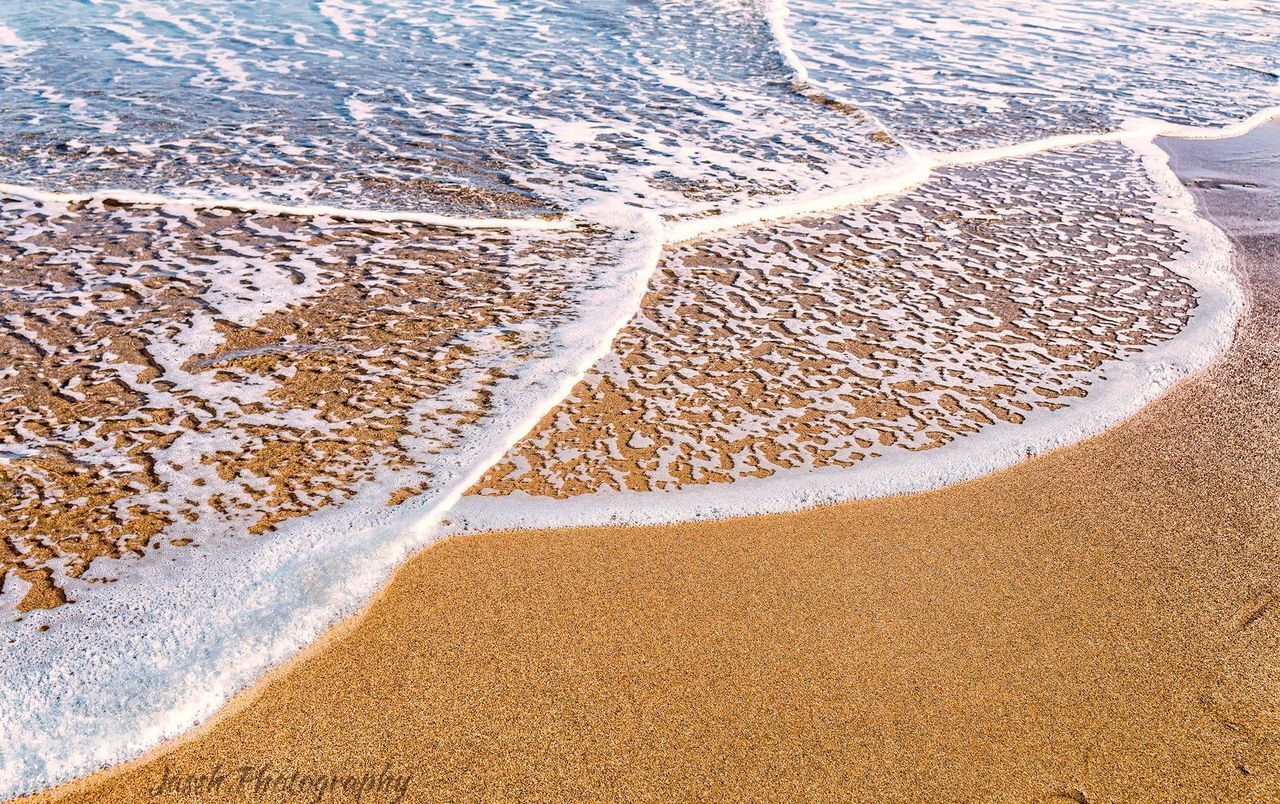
x: 1097, y: 623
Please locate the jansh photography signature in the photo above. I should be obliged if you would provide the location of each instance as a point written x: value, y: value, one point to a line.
x: 284, y: 782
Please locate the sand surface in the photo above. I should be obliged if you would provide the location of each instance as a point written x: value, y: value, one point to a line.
x: 1097, y: 624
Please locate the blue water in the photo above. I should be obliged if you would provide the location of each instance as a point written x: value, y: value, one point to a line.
x: 679, y: 105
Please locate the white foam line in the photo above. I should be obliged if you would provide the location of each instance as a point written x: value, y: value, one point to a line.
x: 1131, y: 130
x: 776, y: 13
x: 888, y: 183
x: 640, y: 258
x: 1244, y: 126
x: 996, y: 153
x: 134, y: 198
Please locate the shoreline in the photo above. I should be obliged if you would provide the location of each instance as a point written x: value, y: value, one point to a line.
x: 615, y: 606
x: 78, y: 749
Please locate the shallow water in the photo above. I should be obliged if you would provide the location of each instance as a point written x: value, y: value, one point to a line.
x: 838, y: 244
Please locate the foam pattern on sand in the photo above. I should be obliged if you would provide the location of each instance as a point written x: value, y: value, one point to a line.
x: 899, y: 326
x: 181, y: 376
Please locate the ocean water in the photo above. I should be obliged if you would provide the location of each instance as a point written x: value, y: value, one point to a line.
x: 289, y: 290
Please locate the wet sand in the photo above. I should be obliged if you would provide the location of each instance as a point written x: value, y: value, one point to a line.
x: 1101, y: 623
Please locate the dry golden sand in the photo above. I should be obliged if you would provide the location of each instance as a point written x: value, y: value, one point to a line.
x: 1097, y: 624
